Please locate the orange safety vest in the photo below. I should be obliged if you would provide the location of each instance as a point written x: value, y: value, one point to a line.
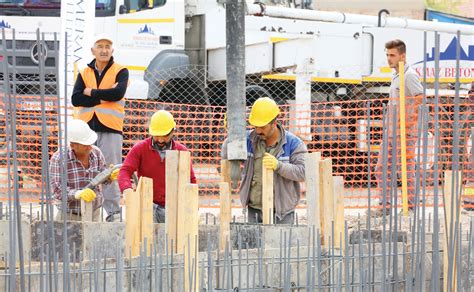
x: 111, y: 113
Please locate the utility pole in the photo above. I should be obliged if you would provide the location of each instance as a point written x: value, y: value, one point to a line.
x: 235, y: 62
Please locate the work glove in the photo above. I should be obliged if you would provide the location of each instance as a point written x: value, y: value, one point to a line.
x: 270, y: 161
x: 86, y: 194
x: 469, y: 191
x: 114, y: 174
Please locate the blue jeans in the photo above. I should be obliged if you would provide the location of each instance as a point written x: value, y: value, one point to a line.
x: 159, y: 214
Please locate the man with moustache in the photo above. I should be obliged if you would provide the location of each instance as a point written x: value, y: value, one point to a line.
x: 269, y: 145
x: 83, y: 161
x: 98, y: 98
x: 148, y: 159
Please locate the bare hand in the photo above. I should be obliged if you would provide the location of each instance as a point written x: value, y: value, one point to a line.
x: 87, y: 91
x: 115, y: 85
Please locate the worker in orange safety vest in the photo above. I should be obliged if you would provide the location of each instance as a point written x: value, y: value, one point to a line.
x: 98, y: 98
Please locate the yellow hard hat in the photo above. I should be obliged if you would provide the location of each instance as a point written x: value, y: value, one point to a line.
x: 264, y: 110
x: 161, y: 123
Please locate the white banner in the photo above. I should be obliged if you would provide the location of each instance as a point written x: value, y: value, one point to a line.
x: 77, y: 21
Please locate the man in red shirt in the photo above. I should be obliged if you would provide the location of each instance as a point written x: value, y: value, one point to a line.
x: 147, y: 158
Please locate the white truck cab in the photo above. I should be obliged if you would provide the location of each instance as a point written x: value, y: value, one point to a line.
x: 154, y: 36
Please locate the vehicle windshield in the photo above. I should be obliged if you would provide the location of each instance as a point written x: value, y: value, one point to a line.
x: 48, y: 8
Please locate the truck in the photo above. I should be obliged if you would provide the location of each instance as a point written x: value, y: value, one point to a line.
x: 176, y: 51
x: 157, y: 35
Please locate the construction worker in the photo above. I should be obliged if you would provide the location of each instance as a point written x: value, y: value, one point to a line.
x: 148, y: 159
x: 98, y: 99
x: 396, y: 53
x: 84, y: 161
x: 269, y: 145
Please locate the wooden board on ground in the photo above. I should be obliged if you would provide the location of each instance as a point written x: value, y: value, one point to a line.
x: 327, y: 199
x: 87, y: 211
x: 184, y: 169
x: 451, y: 209
x: 146, y: 212
x: 171, y: 211
x: 312, y: 189
x: 224, y: 215
x: 267, y: 195
x: 132, y: 224
x: 225, y: 171
x: 338, y: 212
x: 190, y: 232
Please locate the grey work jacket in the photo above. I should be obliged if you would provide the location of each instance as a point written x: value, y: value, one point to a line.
x: 287, y: 177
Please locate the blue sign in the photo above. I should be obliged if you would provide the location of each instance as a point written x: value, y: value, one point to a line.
x: 449, y: 18
x: 450, y: 53
x: 146, y: 29
x: 4, y: 24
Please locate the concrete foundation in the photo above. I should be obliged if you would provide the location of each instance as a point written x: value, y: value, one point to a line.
x: 99, y: 249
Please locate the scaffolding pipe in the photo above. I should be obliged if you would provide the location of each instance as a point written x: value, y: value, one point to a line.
x: 340, y: 17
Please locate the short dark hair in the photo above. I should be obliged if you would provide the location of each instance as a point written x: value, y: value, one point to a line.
x: 396, y: 44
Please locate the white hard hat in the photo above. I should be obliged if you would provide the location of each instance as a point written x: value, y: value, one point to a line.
x: 101, y: 37
x: 79, y: 132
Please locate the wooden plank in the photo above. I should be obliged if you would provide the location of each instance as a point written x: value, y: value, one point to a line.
x: 190, y: 232
x: 267, y: 195
x: 184, y: 176
x: 327, y: 199
x: 450, y: 212
x: 312, y: 189
x: 87, y: 211
x: 225, y: 171
x: 171, y: 211
x: 403, y: 137
x: 224, y: 215
x: 338, y: 211
x: 146, y: 212
x: 132, y: 223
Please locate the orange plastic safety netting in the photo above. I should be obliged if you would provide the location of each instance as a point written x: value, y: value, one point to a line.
x: 342, y: 130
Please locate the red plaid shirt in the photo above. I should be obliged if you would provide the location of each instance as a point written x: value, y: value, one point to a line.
x: 77, y: 177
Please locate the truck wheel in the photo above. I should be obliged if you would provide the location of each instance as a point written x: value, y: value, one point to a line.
x: 183, y: 91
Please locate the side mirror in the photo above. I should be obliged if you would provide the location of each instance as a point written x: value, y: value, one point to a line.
x: 123, y: 9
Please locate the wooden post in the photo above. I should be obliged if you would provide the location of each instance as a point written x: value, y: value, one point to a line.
x: 145, y: 193
x: 267, y: 195
x: 139, y: 218
x: 225, y: 171
x: 403, y: 138
x: 190, y: 233
x: 312, y: 189
x: 451, y: 209
x: 87, y: 211
x: 171, y: 210
x: 184, y: 169
x: 327, y: 199
x: 225, y: 215
x: 338, y: 211
x: 132, y: 224
x: 182, y: 216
